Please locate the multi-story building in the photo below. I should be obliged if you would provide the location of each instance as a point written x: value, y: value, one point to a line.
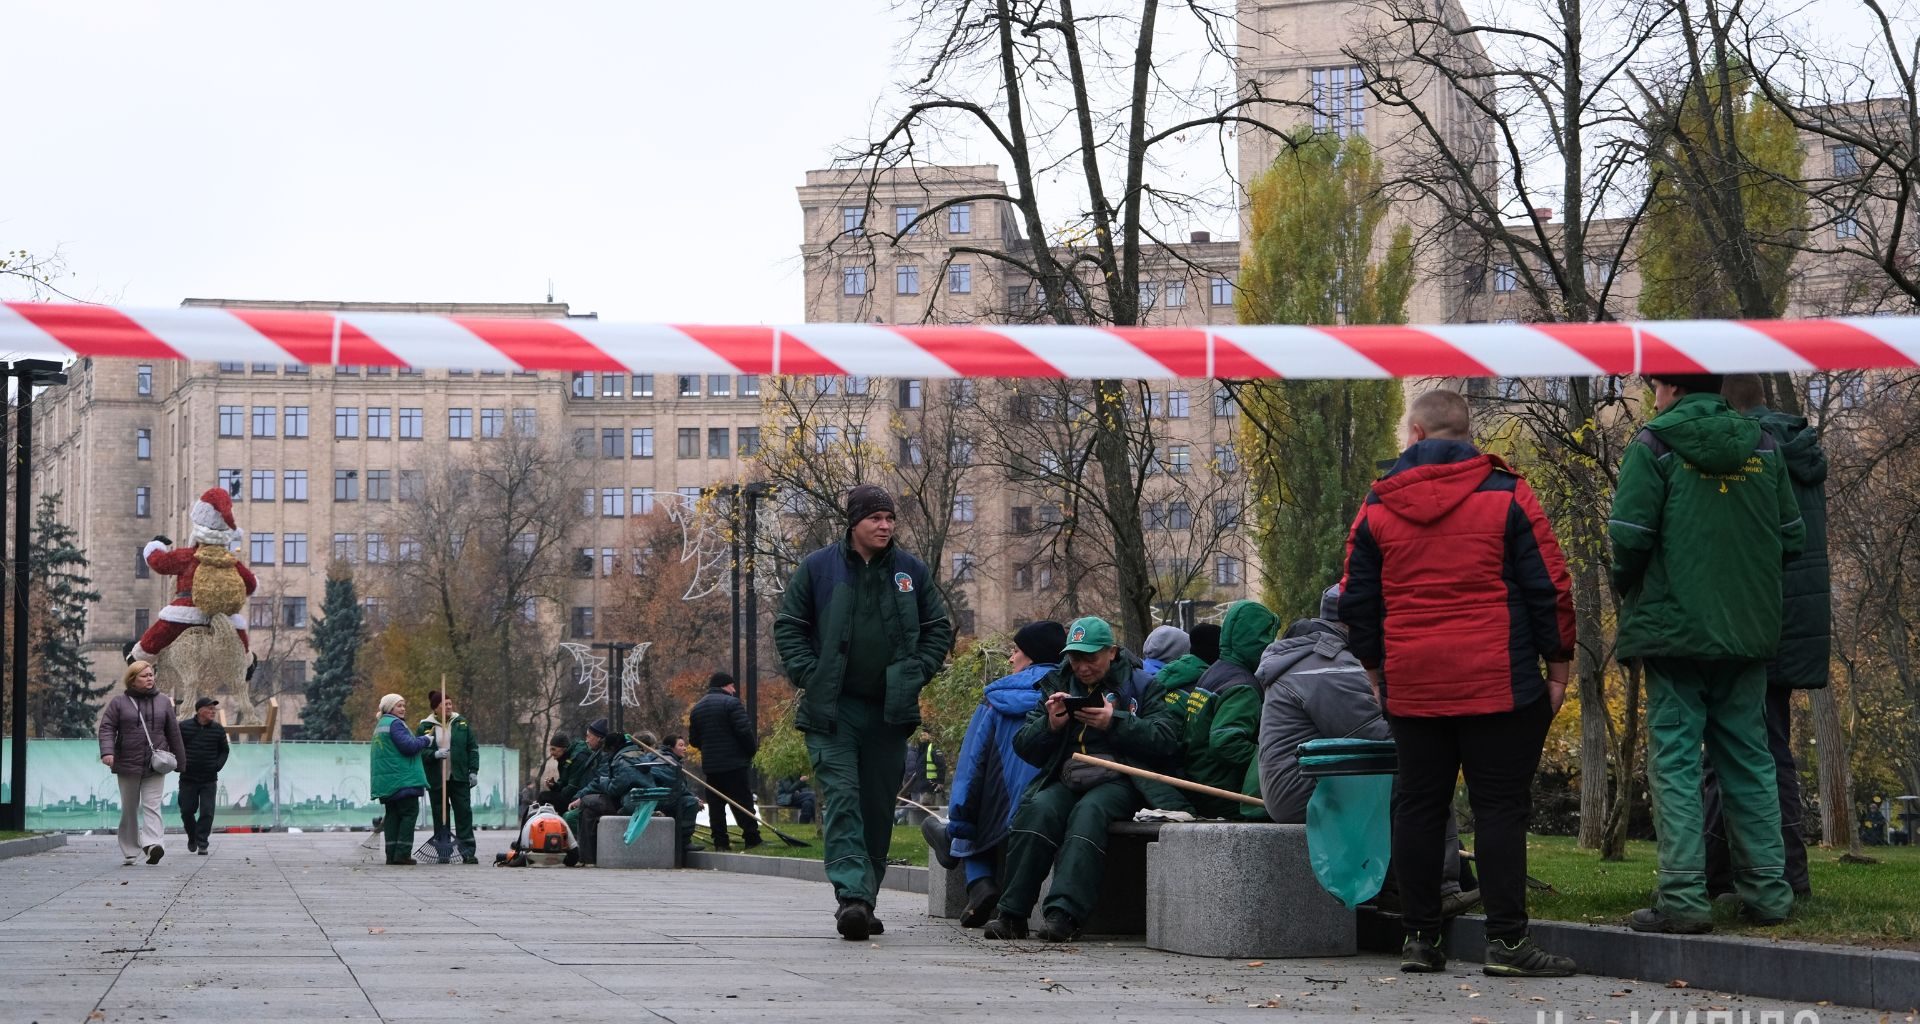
x: 319, y: 455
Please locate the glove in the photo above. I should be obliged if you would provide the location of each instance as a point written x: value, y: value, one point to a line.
x: 440, y: 753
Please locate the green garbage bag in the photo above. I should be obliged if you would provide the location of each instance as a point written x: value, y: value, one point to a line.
x: 640, y: 804
x: 1350, y: 835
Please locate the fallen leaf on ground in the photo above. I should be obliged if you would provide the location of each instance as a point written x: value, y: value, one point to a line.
x: 1256, y: 963
x: 376, y: 931
x: 1678, y: 983
x: 1479, y: 1020
x: 1621, y: 994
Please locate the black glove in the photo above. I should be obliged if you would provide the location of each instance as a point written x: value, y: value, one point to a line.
x: 168, y: 541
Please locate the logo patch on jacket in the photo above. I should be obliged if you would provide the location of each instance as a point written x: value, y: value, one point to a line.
x: 904, y: 582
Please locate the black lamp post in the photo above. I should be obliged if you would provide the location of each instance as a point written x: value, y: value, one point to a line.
x: 616, y: 683
x: 24, y: 375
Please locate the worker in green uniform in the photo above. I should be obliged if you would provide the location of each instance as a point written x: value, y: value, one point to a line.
x: 1703, y: 520
x: 861, y: 629
x: 396, y: 778
x: 462, y: 775
x: 1062, y: 822
x: 1223, y: 734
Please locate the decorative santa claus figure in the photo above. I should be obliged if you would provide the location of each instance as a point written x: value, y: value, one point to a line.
x: 214, y: 582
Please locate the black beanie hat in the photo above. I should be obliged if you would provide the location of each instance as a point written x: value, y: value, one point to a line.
x: 599, y: 727
x: 560, y: 740
x: 1206, y: 641
x: 1042, y: 641
x: 719, y: 681
x: 866, y: 499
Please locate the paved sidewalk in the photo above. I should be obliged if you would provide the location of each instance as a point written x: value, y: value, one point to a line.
x: 297, y: 927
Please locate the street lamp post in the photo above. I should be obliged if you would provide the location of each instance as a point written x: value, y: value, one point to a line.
x: 24, y: 375
x: 616, y: 683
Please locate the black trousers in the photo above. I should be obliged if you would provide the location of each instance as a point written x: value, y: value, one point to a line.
x: 196, y: 810
x: 1787, y: 774
x: 593, y: 807
x: 1498, y: 753
x: 738, y: 784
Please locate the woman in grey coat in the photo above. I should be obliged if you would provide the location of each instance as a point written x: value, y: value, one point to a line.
x: 132, y: 726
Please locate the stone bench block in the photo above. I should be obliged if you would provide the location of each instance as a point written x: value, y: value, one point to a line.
x: 946, y: 890
x: 652, y: 848
x: 1241, y: 890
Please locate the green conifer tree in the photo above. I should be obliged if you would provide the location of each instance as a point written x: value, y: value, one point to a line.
x: 336, y: 636
x: 60, y: 683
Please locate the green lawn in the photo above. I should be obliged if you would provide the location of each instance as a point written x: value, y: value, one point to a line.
x: 5, y: 835
x: 908, y: 845
x: 1861, y: 904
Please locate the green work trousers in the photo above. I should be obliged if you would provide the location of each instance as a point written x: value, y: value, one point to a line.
x: 1064, y: 832
x: 460, y: 802
x: 401, y: 816
x: 856, y: 770
x: 1723, y: 705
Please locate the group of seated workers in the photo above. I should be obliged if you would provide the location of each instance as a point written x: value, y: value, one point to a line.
x: 605, y: 775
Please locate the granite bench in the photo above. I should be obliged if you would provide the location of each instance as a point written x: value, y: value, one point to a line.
x: 652, y: 848
x: 1122, y: 905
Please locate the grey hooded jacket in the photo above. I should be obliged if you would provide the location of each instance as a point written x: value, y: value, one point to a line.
x: 1315, y: 689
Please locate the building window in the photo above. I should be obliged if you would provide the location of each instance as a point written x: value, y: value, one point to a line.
x: 612, y: 385
x: 825, y: 438
x: 719, y: 441
x: 343, y: 545
x: 293, y: 549
x: 1177, y: 405
x: 642, y: 442
x: 613, y: 502
x: 960, y: 219
x: 229, y: 481
x: 143, y: 379
x: 1225, y: 460
x: 749, y: 385
x: 853, y: 220
x: 913, y: 393
x: 903, y: 220
x: 689, y: 442
x: 1226, y: 515
x: 1179, y: 459
x: 719, y: 385
x: 233, y: 367
x: 375, y: 615
x: 1504, y: 277
x: 142, y: 502
x: 1149, y: 295
x: 963, y: 508
x: 610, y: 446
x: 413, y: 484
x: 143, y: 443
x: 260, y: 613
x: 580, y: 624
x: 523, y: 422
x: 642, y: 501
x: 642, y: 385
x: 379, y: 485
x: 963, y: 564
x: 377, y: 553
x: 1176, y: 293
x: 960, y: 451
x: 233, y: 420
x: 689, y: 385
x: 293, y: 612
x: 460, y: 424
x: 412, y: 424
x: 346, y: 485
x: 1220, y: 290
x: 295, y: 420
x: 1179, y: 516
x: 262, y: 489
x: 265, y: 368
x: 263, y: 417
x: 609, y: 561
x: 853, y: 280
x: 582, y: 384
x: 379, y: 371
x: 380, y: 423
x: 294, y: 485
x: 749, y: 440
x: 1846, y: 225
x: 1846, y: 162
x: 906, y: 280
x: 260, y: 549
x: 911, y: 452
x: 1223, y: 403
x: 960, y: 278
x: 1339, y: 100
x: 346, y: 422
x: 141, y: 570
x: 410, y: 549
x: 493, y: 422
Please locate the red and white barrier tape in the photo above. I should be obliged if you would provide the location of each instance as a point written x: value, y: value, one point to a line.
x: 472, y: 343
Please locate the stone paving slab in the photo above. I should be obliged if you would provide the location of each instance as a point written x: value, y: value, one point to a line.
x: 312, y: 927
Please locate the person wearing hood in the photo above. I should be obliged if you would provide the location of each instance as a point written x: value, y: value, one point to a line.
x: 1223, y: 733
x: 988, y: 777
x: 1704, y: 518
x: 601, y: 795
x: 719, y: 727
x: 862, y: 628
x: 1806, y: 629
x: 1061, y: 826
x: 1456, y: 591
x: 1164, y: 644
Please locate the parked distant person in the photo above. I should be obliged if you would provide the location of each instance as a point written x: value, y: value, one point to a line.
x: 1704, y: 517
x: 989, y: 776
x: 719, y: 727
x: 1165, y: 644
x: 797, y: 793
x: 205, y: 742
x: 397, y: 778
x: 925, y: 770
x: 134, y: 725
x: 1456, y: 591
x: 1806, y: 628
x: 462, y: 770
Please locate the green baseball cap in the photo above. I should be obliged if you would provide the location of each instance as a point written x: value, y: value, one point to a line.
x: 1089, y: 635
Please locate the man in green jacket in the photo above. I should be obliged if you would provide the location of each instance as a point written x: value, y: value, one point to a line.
x: 862, y: 628
x: 462, y: 775
x: 1227, y: 739
x: 1061, y: 825
x: 1703, y: 519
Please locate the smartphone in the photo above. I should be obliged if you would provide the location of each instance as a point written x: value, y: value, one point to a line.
x: 1084, y: 703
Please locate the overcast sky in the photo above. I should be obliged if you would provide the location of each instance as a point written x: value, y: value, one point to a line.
x: 641, y: 154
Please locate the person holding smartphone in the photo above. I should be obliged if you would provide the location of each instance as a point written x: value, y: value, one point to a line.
x: 1061, y: 825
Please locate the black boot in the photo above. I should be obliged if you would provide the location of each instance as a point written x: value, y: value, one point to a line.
x: 982, y: 896
x: 854, y: 920
x: 1059, y: 926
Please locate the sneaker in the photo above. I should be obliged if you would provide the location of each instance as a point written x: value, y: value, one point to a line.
x: 854, y: 920
x: 1649, y: 919
x: 1422, y: 956
x: 935, y: 832
x: 155, y: 852
x: 982, y: 896
x: 1006, y: 926
x: 1523, y: 959
x: 1454, y: 904
x: 1058, y: 926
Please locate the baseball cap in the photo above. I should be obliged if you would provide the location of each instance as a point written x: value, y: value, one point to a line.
x: 1089, y: 634
x: 205, y: 702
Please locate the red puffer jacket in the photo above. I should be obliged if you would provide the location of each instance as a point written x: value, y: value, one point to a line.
x: 1455, y: 587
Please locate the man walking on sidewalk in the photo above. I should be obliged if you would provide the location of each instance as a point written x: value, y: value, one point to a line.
x: 207, y: 750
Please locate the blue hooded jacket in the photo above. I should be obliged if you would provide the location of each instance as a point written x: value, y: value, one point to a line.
x: 988, y: 777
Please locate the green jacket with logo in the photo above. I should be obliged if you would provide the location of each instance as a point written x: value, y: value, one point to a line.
x: 817, y: 633
x: 1149, y: 738
x: 1703, y: 520
x: 463, y: 759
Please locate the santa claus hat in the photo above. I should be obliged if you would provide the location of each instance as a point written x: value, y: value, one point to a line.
x: 214, y: 510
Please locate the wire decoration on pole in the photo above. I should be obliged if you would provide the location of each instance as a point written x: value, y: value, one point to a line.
x: 704, y: 541
x: 590, y: 670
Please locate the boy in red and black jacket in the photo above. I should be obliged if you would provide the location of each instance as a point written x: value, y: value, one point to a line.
x: 1456, y: 591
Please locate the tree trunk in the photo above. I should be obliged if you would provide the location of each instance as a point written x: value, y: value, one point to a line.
x: 1614, y: 844
x: 1836, y: 785
x: 1130, y: 564
x: 1588, y: 596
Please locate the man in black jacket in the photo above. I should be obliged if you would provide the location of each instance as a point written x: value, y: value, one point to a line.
x: 206, y: 753
x: 718, y: 726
